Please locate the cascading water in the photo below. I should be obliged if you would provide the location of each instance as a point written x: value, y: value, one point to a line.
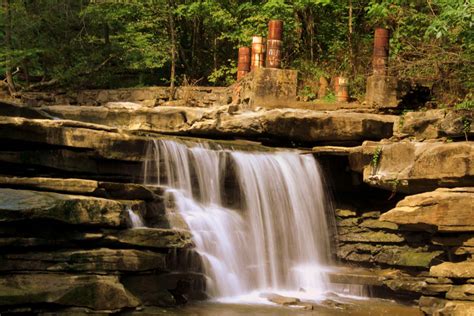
x: 135, y: 220
x: 274, y: 237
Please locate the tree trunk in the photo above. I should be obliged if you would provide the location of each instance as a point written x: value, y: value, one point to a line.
x: 351, y: 48
x: 8, y: 46
x: 173, y: 48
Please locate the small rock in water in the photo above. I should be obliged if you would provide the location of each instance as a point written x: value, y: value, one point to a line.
x: 280, y: 299
x: 302, y: 290
x: 304, y: 306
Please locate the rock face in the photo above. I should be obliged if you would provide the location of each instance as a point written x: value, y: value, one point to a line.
x: 434, y: 124
x: 17, y: 205
x: 287, y: 124
x: 447, y: 210
x: 63, y: 251
x: 464, y: 270
x: 91, y: 291
x: 413, y: 167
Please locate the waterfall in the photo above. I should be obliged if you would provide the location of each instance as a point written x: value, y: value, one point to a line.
x: 258, y: 220
x: 135, y: 220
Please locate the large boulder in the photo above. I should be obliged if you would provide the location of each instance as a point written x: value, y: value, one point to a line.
x: 17, y: 205
x: 105, y: 141
x: 444, y: 210
x: 413, y: 167
x: 433, y: 124
x: 91, y: 291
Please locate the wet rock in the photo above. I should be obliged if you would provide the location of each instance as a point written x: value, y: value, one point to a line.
x: 81, y: 186
x: 347, y: 275
x: 347, y: 222
x: 345, y: 213
x: 149, y: 238
x: 92, y: 291
x: 389, y: 254
x: 412, y: 285
x: 371, y: 214
x: 91, y: 260
x: 280, y: 299
x: 438, y: 306
x: 377, y: 224
x: 414, y: 172
x: 438, y: 281
x: 371, y: 236
x: 461, y: 292
x: 448, y: 210
x: 464, y: 269
x: 166, y: 289
x: 17, y: 205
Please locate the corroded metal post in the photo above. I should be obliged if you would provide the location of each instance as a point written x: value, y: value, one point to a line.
x: 258, y: 52
x: 342, y: 93
x: 243, y: 65
x: 382, y: 89
x: 381, y: 49
x: 274, y: 44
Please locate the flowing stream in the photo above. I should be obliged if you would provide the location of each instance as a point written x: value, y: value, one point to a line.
x: 260, y: 221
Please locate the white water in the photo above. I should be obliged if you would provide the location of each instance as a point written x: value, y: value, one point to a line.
x: 135, y: 219
x: 277, y: 238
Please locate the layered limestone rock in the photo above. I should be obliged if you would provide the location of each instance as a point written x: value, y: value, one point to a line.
x: 413, y: 167
x: 444, y: 210
x: 60, y: 251
x: 434, y: 124
x: 289, y: 124
x: 91, y: 291
x: 17, y: 205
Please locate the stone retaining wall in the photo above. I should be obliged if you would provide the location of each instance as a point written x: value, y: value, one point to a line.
x: 147, y: 97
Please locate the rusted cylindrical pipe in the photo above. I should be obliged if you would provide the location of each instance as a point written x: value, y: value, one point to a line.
x: 381, y: 50
x: 274, y: 44
x: 273, y: 59
x: 258, y: 52
x: 243, y: 64
x: 275, y: 30
x: 341, y: 89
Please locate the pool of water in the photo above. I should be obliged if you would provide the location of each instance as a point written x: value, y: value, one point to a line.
x: 329, y: 307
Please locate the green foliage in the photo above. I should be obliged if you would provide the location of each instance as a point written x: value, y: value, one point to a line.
x: 329, y: 98
x: 224, y: 75
x: 376, y: 157
x: 467, y: 104
x: 92, y: 43
x: 307, y: 93
x: 466, y: 126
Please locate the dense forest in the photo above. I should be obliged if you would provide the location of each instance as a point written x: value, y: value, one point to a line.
x: 71, y: 44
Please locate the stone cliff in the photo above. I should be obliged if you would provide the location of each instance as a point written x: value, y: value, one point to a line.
x: 70, y: 176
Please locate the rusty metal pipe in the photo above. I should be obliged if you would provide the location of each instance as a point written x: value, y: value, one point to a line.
x: 243, y: 64
x: 381, y: 51
x: 275, y: 30
x: 258, y: 52
x: 274, y: 44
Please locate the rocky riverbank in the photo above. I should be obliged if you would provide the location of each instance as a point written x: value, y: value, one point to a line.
x: 70, y: 176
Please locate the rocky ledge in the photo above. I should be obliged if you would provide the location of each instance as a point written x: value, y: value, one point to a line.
x: 68, y: 244
x: 226, y: 121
